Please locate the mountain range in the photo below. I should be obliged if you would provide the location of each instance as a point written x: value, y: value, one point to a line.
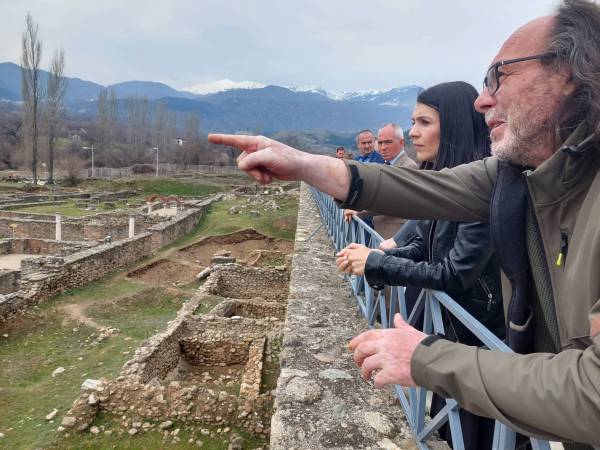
x: 244, y: 107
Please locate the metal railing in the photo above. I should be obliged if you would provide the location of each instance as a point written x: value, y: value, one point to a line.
x: 371, y: 302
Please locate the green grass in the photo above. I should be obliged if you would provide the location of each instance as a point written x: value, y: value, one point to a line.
x: 151, y: 440
x: 111, y: 286
x: 160, y: 185
x: 125, y: 314
x: 279, y: 223
x: 46, y: 339
x: 69, y: 209
x: 40, y: 344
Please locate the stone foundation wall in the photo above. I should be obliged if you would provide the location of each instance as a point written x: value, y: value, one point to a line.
x: 180, y: 225
x: 39, y: 229
x: 135, y: 403
x: 245, y: 308
x: 251, y: 378
x: 50, y: 276
x: 96, y: 227
x: 205, y: 352
x: 43, y: 278
x: 9, y: 281
x: 41, y: 247
x: 242, y: 282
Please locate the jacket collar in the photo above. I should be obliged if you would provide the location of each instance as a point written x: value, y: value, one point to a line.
x: 556, y: 176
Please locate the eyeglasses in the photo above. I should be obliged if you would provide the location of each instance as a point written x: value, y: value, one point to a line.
x: 386, y: 142
x: 492, y: 78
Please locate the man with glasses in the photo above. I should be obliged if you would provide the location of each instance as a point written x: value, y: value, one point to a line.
x: 541, y: 194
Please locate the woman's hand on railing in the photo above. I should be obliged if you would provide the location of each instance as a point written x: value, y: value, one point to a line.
x: 388, y: 352
x: 349, y: 214
x: 353, y: 259
x: 388, y: 244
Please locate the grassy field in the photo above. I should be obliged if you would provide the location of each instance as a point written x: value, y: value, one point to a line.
x: 51, y: 337
x: 166, y: 186
x: 69, y: 209
x: 279, y: 223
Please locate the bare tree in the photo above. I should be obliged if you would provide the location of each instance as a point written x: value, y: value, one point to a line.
x: 71, y: 165
x: 57, y: 88
x: 30, y: 86
x: 192, y: 139
x: 102, y: 119
x: 113, y: 117
x: 137, y: 125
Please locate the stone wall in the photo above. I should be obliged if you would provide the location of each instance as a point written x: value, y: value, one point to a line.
x: 95, y: 227
x: 321, y: 400
x: 41, y: 246
x: 43, y: 278
x: 39, y: 229
x: 9, y: 281
x: 215, y: 352
x: 251, y: 378
x: 246, y: 308
x: 166, y: 232
x: 242, y: 282
x: 50, y: 276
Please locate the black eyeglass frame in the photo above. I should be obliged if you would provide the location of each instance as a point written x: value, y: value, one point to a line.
x: 499, y: 64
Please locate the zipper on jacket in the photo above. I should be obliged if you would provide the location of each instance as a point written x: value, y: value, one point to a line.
x: 564, y: 248
x: 431, y: 238
x: 487, y: 291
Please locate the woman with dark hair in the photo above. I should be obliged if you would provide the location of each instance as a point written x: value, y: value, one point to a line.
x: 455, y: 257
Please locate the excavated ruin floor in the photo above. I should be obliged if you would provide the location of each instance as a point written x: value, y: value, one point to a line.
x: 165, y: 271
x: 12, y: 261
x: 242, y: 245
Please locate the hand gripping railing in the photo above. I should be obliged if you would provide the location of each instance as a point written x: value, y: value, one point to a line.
x: 371, y: 302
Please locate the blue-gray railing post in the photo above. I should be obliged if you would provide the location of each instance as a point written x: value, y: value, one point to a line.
x: 369, y: 302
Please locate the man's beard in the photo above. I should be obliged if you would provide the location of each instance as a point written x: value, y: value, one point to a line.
x: 528, y: 140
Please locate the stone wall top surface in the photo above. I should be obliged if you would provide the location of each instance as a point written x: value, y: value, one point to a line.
x: 321, y: 401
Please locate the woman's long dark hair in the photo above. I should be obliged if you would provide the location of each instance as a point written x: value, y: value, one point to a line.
x: 464, y: 136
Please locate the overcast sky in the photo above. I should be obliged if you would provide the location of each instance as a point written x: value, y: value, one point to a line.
x: 338, y: 45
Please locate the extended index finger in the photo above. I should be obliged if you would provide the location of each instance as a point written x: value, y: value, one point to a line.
x: 246, y: 143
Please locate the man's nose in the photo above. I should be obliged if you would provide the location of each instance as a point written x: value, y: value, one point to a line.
x: 484, y: 101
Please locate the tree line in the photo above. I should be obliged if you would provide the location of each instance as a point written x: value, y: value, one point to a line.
x: 42, y: 133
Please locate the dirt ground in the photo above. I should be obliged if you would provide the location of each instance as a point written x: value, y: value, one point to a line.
x: 241, y: 244
x: 12, y: 261
x: 166, y: 271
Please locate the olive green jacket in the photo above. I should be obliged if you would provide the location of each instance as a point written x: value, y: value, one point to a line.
x: 551, y: 396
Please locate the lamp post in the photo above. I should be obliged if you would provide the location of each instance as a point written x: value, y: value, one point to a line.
x: 92, y: 149
x: 156, y: 148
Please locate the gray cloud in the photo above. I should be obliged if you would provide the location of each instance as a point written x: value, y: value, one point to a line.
x: 335, y: 44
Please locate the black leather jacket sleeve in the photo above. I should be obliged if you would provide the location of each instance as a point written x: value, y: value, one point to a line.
x: 414, y: 249
x: 406, y: 233
x: 454, y: 272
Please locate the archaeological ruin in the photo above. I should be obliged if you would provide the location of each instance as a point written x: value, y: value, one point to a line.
x: 258, y: 346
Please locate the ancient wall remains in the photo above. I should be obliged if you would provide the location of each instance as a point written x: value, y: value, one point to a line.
x: 242, y: 282
x: 45, y: 277
x: 9, y: 281
x: 51, y: 276
x: 41, y: 246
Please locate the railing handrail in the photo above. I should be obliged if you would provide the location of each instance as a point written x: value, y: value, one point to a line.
x: 369, y: 301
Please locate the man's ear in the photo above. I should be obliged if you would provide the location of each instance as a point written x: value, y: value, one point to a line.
x: 568, y: 83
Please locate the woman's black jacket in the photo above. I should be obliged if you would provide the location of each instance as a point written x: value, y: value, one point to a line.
x: 455, y: 257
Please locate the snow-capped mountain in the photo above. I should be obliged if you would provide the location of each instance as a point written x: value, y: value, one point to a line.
x: 401, y: 96
x: 229, y: 106
x: 221, y: 85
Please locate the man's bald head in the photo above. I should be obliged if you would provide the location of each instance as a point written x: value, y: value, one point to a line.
x: 530, y: 39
